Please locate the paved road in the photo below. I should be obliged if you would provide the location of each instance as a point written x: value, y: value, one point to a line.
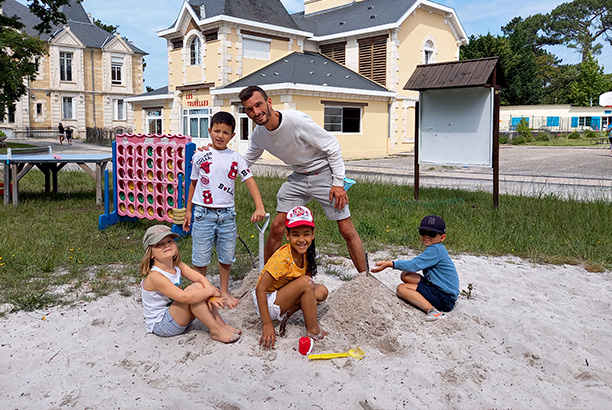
x: 567, y: 172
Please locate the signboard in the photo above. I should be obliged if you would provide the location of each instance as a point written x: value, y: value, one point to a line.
x: 456, y: 127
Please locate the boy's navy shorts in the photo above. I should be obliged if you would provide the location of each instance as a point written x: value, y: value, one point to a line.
x: 440, y: 300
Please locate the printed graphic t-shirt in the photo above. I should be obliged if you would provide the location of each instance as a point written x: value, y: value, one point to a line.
x: 215, y: 173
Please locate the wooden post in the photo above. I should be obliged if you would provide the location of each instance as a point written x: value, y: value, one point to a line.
x: 416, y: 149
x: 496, y: 104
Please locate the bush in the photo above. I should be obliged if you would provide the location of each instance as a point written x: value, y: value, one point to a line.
x: 503, y: 139
x: 2, y: 134
x: 518, y: 140
x: 574, y: 135
x: 590, y: 134
x: 523, y: 130
x: 543, y: 136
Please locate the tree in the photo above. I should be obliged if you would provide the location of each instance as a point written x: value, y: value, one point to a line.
x: 590, y: 83
x: 518, y: 62
x: 108, y: 27
x: 580, y: 24
x: 531, y: 29
x: 557, y: 90
x: 19, y: 51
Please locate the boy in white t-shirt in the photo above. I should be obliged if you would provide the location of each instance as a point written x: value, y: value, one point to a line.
x: 211, y: 201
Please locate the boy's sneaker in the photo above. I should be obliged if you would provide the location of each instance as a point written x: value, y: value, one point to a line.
x: 433, y: 314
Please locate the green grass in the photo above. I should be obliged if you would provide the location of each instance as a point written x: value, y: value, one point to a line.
x: 16, y: 145
x: 51, y: 251
x: 563, y: 142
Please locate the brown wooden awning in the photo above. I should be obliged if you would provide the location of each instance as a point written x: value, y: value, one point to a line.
x: 198, y: 86
x: 482, y: 72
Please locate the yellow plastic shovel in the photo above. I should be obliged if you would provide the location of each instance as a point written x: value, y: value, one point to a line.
x: 356, y: 353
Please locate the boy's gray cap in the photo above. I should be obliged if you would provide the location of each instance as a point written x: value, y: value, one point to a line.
x: 433, y: 223
x: 155, y: 234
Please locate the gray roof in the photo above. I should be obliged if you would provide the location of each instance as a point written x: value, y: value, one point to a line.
x: 260, y: 11
x: 76, y: 18
x: 308, y: 68
x: 157, y: 91
x: 354, y: 16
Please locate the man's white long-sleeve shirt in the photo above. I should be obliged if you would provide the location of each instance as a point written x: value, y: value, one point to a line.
x: 299, y: 142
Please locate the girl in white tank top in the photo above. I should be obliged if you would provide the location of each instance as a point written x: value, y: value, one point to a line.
x: 168, y: 309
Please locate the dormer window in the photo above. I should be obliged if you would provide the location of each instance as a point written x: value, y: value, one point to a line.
x: 195, y: 51
x: 116, y: 68
x: 429, y: 50
x: 65, y: 66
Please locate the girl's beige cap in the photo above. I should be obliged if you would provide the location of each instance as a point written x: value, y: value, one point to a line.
x: 155, y: 234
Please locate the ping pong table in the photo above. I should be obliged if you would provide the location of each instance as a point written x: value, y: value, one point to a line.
x: 16, y: 165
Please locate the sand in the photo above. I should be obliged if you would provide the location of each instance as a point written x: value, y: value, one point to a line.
x: 530, y: 336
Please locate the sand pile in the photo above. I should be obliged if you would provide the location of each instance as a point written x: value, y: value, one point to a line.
x: 362, y: 311
x: 365, y: 312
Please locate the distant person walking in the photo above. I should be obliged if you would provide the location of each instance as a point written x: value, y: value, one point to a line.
x: 69, y: 132
x: 609, y: 131
x: 61, y: 130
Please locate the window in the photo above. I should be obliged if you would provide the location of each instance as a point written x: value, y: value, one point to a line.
x: 342, y: 119
x: 68, y: 108
x: 514, y: 121
x: 583, y: 122
x: 195, y: 122
x: 208, y: 37
x: 119, y: 109
x: 65, y: 66
x: 154, y: 121
x: 38, y: 108
x: 336, y: 52
x: 116, y: 66
x: 245, y: 125
x: 373, y: 58
x: 428, y: 52
x: 11, y: 114
x: 552, y: 121
x: 195, y: 51
x: 256, y: 47
x: 177, y: 43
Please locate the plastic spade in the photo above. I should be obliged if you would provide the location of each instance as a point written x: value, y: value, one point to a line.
x: 357, y: 353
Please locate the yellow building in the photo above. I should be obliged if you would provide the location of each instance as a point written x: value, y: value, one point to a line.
x: 342, y: 62
x: 82, y: 81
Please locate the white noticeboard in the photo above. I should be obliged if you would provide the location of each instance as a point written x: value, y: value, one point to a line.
x: 456, y: 127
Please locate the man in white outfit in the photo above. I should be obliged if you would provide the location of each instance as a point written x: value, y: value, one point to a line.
x: 318, y: 168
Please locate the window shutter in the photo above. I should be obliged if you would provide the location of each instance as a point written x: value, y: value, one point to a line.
x: 574, y: 121
x: 335, y: 51
x: 373, y: 59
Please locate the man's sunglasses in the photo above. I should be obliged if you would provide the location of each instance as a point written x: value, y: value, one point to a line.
x: 425, y: 232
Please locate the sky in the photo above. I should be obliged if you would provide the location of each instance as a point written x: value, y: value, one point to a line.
x: 140, y: 20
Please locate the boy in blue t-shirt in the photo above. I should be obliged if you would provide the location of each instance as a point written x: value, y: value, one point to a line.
x: 435, y: 291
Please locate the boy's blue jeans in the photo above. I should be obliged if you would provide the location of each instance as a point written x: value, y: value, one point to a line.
x: 213, y: 226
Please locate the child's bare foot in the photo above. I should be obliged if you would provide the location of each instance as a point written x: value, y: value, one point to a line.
x: 317, y: 337
x: 231, y: 328
x: 224, y: 336
x: 230, y: 301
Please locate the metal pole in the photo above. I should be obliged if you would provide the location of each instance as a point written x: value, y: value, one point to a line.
x: 262, y: 231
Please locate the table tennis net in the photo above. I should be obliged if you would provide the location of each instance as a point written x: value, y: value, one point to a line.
x: 11, y: 152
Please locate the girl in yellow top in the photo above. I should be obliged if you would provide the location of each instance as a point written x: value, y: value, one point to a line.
x: 286, y: 286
